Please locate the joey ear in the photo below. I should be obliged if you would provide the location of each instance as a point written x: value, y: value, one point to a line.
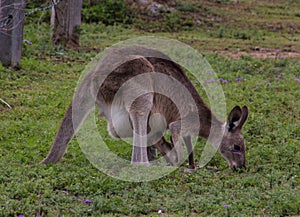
x: 234, y: 118
x: 237, y: 117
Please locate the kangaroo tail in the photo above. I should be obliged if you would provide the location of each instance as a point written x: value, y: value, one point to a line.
x: 63, y: 136
x: 81, y: 105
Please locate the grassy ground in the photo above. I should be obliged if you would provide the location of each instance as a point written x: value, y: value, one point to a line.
x: 40, y: 92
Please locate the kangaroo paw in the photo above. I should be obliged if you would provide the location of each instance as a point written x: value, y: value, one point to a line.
x: 141, y: 163
x: 191, y: 170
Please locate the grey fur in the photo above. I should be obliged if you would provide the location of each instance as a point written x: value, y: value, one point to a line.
x: 136, y: 119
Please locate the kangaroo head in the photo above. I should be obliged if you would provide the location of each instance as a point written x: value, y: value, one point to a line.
x: 233, y: 147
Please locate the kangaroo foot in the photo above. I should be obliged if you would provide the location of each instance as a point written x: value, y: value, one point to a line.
x: 191, y: 170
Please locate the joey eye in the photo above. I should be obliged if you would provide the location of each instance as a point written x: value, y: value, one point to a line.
x: 236, y: 148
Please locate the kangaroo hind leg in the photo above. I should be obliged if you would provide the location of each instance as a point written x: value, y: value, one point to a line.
x: 139, y: 112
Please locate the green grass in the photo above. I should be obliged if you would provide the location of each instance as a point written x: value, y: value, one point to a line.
x: 41, y: 90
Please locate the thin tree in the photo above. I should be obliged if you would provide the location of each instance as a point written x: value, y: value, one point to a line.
x: 66, y: 20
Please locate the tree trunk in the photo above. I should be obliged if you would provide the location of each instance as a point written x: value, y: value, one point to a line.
x: 12, y: 14
x: 66, y: 20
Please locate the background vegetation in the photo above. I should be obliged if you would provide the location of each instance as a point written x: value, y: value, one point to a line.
x: 235, y: 37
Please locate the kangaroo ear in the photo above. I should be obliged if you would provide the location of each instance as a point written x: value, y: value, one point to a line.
x: 236, y: 118
x: 244, y: 117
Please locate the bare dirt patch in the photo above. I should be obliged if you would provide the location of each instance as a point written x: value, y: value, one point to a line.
x: 261, y: 54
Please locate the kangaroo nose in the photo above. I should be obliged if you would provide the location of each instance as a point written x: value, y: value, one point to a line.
x: 235, y: 167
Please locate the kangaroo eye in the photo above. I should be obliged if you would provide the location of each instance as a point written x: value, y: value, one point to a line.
x: 236, y: 148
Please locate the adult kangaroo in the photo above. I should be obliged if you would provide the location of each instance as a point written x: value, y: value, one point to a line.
x: 128, y: 89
